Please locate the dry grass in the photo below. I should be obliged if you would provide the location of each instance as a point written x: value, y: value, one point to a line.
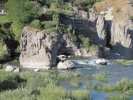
x: 116, y: 4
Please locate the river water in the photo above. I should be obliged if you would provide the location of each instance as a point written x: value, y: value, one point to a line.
x: 116, y: 73
x: 88, y: 68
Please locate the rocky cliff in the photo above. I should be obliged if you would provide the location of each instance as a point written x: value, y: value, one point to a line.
x: 115, y: 28
x: 110, y: 24
x: 39, y: 50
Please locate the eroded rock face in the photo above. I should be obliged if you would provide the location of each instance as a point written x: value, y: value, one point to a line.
x: 101, y: 30
x: 39, y: 50
x: 122, y: 39
x: 33, y: 51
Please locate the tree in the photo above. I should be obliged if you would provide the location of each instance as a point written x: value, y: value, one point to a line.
x: 56, y: 20
x: 22, y: 11
x: 70, y: 29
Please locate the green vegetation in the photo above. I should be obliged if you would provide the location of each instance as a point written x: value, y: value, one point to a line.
x: 124, y: 62
x: 101, y: 77
x: 98, y: 86
x: 80, y: 95
x: 83, y: 4
x: 123, y: 86
x: 31, y: 13
x: 93, y: 48
x: 118, y: 97
x: 27, y: 85
x: 118, y: 10
x: 131, y: 17
x: 35, y: 24
x: 4, y: 56
x: 48, y: 24
x: 22, y: 11
x: 3, y: 19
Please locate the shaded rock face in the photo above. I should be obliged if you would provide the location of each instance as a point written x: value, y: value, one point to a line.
x: 39, y: 50
x: 122, y: 39
x: 118, y: 36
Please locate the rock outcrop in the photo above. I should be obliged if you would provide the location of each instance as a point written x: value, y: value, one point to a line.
x: 11, y: 68
x: 65, y: 65
x: 101, y: 30
x: 122, y: 39
x: 115, y: 29
x: 85, y: 53
x: 39, y: 50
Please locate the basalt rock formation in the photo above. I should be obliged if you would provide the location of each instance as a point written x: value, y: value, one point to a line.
x: 115, y: 28
x: 39, y: 50
x: 110, y: 24
x: 107, y: 26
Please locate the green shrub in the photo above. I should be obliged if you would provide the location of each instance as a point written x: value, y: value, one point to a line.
x: 52, y: 92
x: 131, y: 17
x: 118, y: 10
x: 35, y: 24
x: 17, y: 30
x: 100, y: 77
x: 98, y: 86
x: 118, y: 97
x: 93, y: 48
x: 109, y: 88
x: 124, y: 62
x: 54, y: 5
x: 123, y: 85
x: 48, y: 24
x: 80, y: 95
x: 1, y: 44
x: 74, y: 39
x: 4, y: 56
x: 8, y: 80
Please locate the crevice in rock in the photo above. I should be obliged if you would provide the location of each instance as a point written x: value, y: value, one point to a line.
x: 108, y: 30
x: 66, y: 54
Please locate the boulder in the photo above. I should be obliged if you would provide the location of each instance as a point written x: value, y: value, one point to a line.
x: 17, y: 70
x: 10, y: 68
x: 65, y: 65
x: 37, y: 70
x: 101, y: 62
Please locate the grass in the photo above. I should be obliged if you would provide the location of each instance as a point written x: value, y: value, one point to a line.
x: 75, y: 82
x: 118, y: 97
x: 3, y: 19
x: 124, y: 62
x: 80, y: 95
x: 50, y: 30
x: 124, y: 85
x: 101, y: 77
x: 98, y: 86
x: 115, y: 4
x: 36, y: 86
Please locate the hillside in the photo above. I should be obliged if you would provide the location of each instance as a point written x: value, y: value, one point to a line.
x: 122, y: 10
